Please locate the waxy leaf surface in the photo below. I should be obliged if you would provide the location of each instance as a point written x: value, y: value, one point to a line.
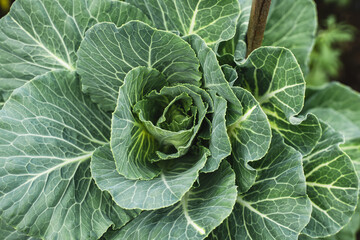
x: 202, y: 209
x: 175, y: 179
x: 48, y: 132
x: 275, y: 79
x: 213, y: 20
x: 276, y: 206
x: 39, y: 36
x: 108, y: 53
x: 332, y: 185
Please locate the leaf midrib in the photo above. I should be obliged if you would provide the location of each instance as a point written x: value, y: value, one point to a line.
x: 58, y: 59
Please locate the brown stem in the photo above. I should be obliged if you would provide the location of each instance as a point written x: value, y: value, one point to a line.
x: 257, y: 24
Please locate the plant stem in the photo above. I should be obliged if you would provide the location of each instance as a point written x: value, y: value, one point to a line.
x: 257, y: 24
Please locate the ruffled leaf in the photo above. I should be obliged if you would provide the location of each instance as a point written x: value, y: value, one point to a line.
x: 332, y: 185
x: 108, y: 53
x: 275, y: 79
x: 276, y: 206
x: 175, y: 179
x: 201, y: 210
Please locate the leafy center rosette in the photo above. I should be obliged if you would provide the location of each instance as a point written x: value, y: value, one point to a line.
x: 165, y: 125
x: 154, y: 122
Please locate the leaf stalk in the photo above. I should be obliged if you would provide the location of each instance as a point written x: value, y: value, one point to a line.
x: 257, y: 24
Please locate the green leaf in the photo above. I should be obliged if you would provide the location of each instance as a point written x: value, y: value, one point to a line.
x: 213, y: 77
x: 118, y: 50
x: 274, y: 77
x: 131, y: 143
x: 136, y: 142
x: 276, y: 206
x: 292, y: 24
x: 201, y: 210
x: 337, y: 105
x: 230, y: 74
x: 219, y: 145
x: 39, y: 36
x: 9, y: 233
x: 183, y: 139
x: 49, y: 130
x: 235, y: 48
x: 250, y: 139
x: 169, y: 187
x: 213, y: 20
x: 352, y: 149
x: 350, y: 230
x: 332, y: 185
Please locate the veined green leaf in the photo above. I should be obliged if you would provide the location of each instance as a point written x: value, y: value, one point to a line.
x: 132, y: 145
x: 275, y: 79
x: 230, y: 74
x: 276, y: 206
x: 352, y: 149
x: 292, y: 24
x: 48, y: 131
x: 118, y: 50
x: 201, y: 210
x: 181, y: 140
x: 39, y: 36
x: 350, y: 231
x: 213, y: 20
x: 9, y: 233
x: 219, y: 145
x: 301, y: 135
x: 235, y: 48
x: 332, y: 185
x: 250, y: 137
x: 213, y: 76
x: 338, y: 106
x: 175, y: 179
x: 347, y: 233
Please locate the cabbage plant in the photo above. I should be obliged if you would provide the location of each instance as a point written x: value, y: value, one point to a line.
x: 148, y: 119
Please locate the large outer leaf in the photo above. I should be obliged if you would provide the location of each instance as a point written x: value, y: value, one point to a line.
x: 250, y: 139
x: 350, y: 231
x: 292, y: 24
x: 107, y: 53
x: 332, y: 185
x: 276, y: 207
x: 275, y: 79
x: 338, y: 106
x: 175, y: 180
x: 48, y: 131
x: 38, y: 36
x: 9, y: 233
x: 213, y: 20
x: 201, y: 210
